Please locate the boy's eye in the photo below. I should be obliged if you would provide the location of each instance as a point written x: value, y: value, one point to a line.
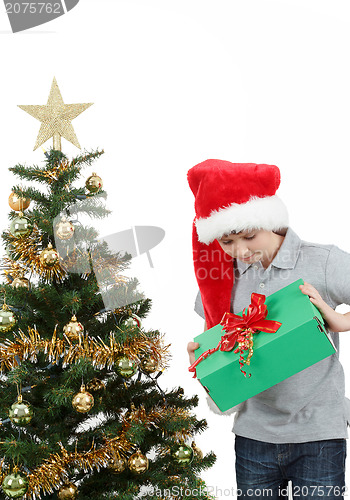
x: 249, y: 237
x: 227, y: 242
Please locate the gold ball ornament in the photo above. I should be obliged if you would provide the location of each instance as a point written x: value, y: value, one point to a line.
x: 95, y: 385
x: 73, y: 329
x: 48, y: 256
x: 125, y: 367
x: 149, y: 364
x: 197, y: 451
x: 64, y: 229
x: 17, y: 202
x: 118, y: 464
x: 7, y: 319
x: 68, y: 491
x: 132, y: 321
x: 182, y: 454
x: 21, y: 226
x: 83, y: 401
x: 138, y: 463
x: 21, y: 412
x: 176, y: 479
x: 20, y: 282
x: 15, y: 485
x: 94, y: 183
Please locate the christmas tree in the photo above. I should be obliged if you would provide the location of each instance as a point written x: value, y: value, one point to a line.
x: 82, y: 412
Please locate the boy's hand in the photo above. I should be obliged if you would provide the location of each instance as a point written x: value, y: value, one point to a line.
x: 315, y: 297
x: 336, y: 322
x: 191, y: 347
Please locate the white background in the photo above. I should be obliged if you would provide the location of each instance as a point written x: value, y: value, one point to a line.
x: 174, y: 83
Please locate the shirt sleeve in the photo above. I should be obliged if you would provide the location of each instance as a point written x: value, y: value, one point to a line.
x: 198, y: 306
x: 338, y: 276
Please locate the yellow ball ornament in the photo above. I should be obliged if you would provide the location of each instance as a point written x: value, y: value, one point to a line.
x: 138, y: 463
x: 83, y: 401
x: 182, y: 454
x: 94, y: 183
x: 15, y: 485
x: 125, y: 367
x: 68, y: 492
x: 21, y: 226
x: 7, y: 319
x: 73, y: 329
x: 11, y: 252
x: 49, y: 256
x: 17, y: 202
x: 64, y: 229
x: 21, y: 412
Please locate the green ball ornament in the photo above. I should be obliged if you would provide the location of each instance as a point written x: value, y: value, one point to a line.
x: 182, y: 454
x: 21, y: 227
x: 125, y: 367
x: 7, y: 319
x: 21, y: 412
x: 15, y: 485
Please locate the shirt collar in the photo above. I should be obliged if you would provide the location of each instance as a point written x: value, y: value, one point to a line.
x: 286, y: 256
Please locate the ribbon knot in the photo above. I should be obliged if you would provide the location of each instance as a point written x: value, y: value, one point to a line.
x: 241, y: 329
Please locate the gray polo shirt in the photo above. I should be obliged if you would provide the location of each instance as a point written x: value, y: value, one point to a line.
x: 310, y: 405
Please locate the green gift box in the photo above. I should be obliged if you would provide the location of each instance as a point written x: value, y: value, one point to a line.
x: 301, y: 341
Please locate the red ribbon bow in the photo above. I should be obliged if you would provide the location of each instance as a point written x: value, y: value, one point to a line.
x: 236, y: 327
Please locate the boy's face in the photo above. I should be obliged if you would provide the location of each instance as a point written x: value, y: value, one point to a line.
x: 249, y: 246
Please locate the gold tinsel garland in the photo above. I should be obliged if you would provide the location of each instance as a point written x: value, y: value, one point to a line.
x: 102, y: 355
x: 54, y: 471
x: 27, y: 251
x: 52, y: 174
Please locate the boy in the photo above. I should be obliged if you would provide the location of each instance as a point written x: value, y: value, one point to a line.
x: 297, y: 429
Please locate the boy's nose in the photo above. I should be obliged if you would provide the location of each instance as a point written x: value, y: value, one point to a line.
x: 241, y: 251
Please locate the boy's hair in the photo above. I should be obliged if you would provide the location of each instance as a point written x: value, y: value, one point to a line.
x: 239, y: 232
x: 247, y: 230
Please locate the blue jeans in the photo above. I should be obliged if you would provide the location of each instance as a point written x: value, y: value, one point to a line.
x: 316, y: 469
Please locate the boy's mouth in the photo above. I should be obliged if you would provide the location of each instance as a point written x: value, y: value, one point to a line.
x: 248, y: 258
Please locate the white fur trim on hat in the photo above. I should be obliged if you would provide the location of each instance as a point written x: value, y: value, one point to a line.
x: 268, y: 213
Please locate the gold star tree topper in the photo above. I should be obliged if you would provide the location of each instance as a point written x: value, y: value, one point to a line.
x: 55, y: 118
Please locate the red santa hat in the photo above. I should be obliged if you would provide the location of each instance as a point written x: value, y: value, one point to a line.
x: 229, y: 197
